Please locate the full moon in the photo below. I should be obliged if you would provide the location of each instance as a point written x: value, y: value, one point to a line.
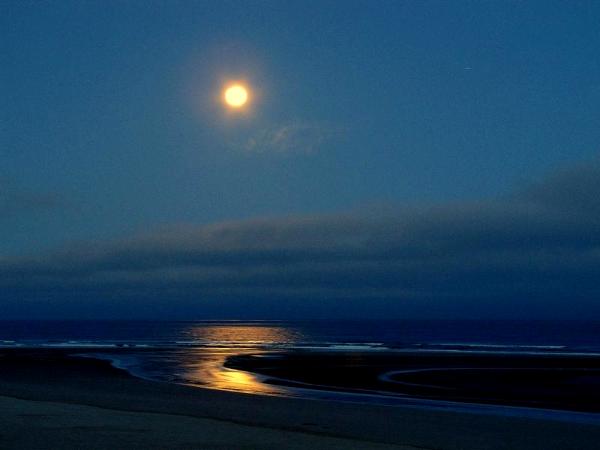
x: 236, y: 96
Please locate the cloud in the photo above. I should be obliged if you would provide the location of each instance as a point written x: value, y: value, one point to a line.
x: 574, y: 189
x: 536, y: 250
x: 295, y: 137
x: 17, y: 201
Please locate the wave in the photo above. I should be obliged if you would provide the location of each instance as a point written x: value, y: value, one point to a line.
x: 329, y: 346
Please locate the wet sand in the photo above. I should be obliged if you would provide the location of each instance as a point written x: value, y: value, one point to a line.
x: 50, y: 400
x: 549, y: 381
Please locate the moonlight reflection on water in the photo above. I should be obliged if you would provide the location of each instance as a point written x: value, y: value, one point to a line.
x: 205, y: 366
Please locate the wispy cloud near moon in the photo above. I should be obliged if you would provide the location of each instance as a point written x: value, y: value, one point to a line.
x: 291, y: 138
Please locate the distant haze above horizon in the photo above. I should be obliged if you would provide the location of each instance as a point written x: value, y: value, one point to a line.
x: 392, y: 159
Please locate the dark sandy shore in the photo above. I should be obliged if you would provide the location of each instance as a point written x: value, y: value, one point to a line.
x: 551, y: 381
x: 51, y: 400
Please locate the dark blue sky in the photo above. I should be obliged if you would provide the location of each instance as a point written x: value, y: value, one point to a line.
x: 411, y: 116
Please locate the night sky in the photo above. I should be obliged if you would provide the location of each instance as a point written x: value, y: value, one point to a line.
x: 396, y: 159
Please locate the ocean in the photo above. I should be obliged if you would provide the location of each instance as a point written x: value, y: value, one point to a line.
x: 452, y: 335
x: 195, y: 352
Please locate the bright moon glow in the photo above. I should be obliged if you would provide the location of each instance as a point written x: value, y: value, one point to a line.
x: 236, y: 96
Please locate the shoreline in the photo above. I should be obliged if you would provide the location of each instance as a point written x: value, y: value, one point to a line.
x: 568, y: 383
x: 311, y: 392
x: 56, y: 377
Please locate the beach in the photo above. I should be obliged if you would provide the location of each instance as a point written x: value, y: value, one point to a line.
x: 49, y: 399
x: 27, y: 424
x: 543, y: 381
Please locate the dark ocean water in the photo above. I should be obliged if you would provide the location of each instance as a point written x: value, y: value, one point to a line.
x: 194, y: 352
x: 569, y: 335
x: 491, y: 335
